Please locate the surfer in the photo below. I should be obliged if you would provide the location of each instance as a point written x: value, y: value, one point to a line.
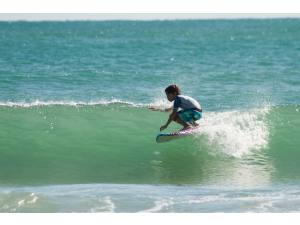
x: 190, y: 109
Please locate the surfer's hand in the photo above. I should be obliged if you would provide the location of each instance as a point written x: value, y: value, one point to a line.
x: 156, y: 109
x: 163, y: 127
x: 153, y: 108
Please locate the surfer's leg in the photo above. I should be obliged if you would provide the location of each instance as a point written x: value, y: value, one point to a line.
x: 196, y: 116
x: 185, y: 125
x: 195, y: 124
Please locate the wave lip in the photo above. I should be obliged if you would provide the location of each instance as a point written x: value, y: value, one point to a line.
x: 69, y: 103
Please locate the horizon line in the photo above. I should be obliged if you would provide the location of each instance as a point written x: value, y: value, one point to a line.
x: 65, y: 17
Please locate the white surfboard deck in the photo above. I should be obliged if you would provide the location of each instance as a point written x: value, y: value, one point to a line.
x: 164, y: 137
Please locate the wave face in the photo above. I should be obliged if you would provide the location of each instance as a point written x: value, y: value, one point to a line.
x: 115, y: 143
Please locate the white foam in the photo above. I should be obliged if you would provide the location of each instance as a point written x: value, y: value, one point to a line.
x: 21, y: 203
x: 160, y: 205
x: 159, y: 104
x: 33, y: 200
x: 69, y: 103
x: 236, y: 133
x: 108, y: 206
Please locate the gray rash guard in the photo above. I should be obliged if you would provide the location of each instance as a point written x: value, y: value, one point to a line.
x: 186, y: 102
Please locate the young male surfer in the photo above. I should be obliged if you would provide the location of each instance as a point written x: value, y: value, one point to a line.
x: 190, y: 109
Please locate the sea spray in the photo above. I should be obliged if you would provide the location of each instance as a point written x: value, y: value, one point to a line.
x: 236, y: 133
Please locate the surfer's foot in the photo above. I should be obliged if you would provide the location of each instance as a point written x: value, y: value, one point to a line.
x: 186, y: 128
x: 196, y: 124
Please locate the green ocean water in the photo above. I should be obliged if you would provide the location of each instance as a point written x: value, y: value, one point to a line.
x: 86, y: 144
x: 75, y: 123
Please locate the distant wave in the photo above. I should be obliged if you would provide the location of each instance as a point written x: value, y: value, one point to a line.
x: 67, y: 103
x: 157, y: 104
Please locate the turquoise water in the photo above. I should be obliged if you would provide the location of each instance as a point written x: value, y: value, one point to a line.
x: 75, y: 123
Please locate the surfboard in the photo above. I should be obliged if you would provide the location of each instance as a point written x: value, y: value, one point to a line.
x: 164, y: 137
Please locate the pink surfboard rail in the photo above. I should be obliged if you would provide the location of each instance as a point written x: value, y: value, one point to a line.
x: 164, y: 137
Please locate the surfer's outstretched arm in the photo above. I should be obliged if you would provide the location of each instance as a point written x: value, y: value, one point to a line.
x: 168, y: 109
x: 161, y: 110
x: 171, y: 118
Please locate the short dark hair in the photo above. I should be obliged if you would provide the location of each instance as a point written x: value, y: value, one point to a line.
x: 173, y: 89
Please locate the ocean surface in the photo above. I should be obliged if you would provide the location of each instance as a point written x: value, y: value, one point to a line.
x: 77, y: 134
